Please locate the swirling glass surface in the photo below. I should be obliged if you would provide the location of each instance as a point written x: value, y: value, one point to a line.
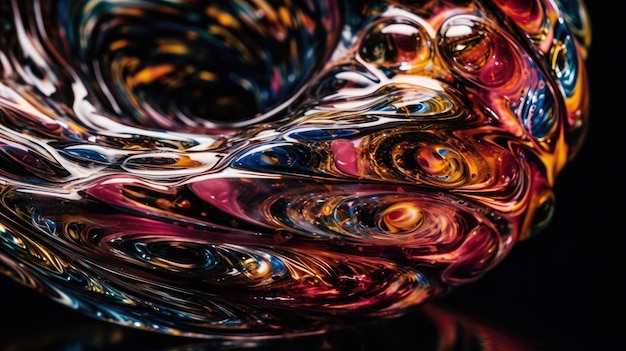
x: 258, y: 168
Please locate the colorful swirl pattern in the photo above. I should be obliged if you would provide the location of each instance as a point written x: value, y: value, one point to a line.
x: 262, y: 168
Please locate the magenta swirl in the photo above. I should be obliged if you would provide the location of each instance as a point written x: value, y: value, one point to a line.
x: 246, y: 168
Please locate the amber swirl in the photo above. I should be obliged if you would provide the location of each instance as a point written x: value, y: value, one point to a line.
x: 263, y: 168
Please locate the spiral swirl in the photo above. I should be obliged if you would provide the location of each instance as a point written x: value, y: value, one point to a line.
x: 262, y: 168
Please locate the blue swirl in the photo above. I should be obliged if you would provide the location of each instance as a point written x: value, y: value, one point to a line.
x: 566, y: 58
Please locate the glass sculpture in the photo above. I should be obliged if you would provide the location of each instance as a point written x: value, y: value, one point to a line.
x: 264, y: 168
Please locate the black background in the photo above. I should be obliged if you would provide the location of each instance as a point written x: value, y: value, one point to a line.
x: 561, y: 290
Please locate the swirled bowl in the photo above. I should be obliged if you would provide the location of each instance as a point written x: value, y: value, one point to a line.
x: 264, y: 168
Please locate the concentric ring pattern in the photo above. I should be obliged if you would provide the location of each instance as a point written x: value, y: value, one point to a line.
x: 261, y: 168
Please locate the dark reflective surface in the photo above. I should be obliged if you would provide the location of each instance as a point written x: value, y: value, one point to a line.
x: 431, y: 328
x: 561, y: 290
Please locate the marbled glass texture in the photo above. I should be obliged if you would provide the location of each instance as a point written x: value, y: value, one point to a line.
x: 267, y: 168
